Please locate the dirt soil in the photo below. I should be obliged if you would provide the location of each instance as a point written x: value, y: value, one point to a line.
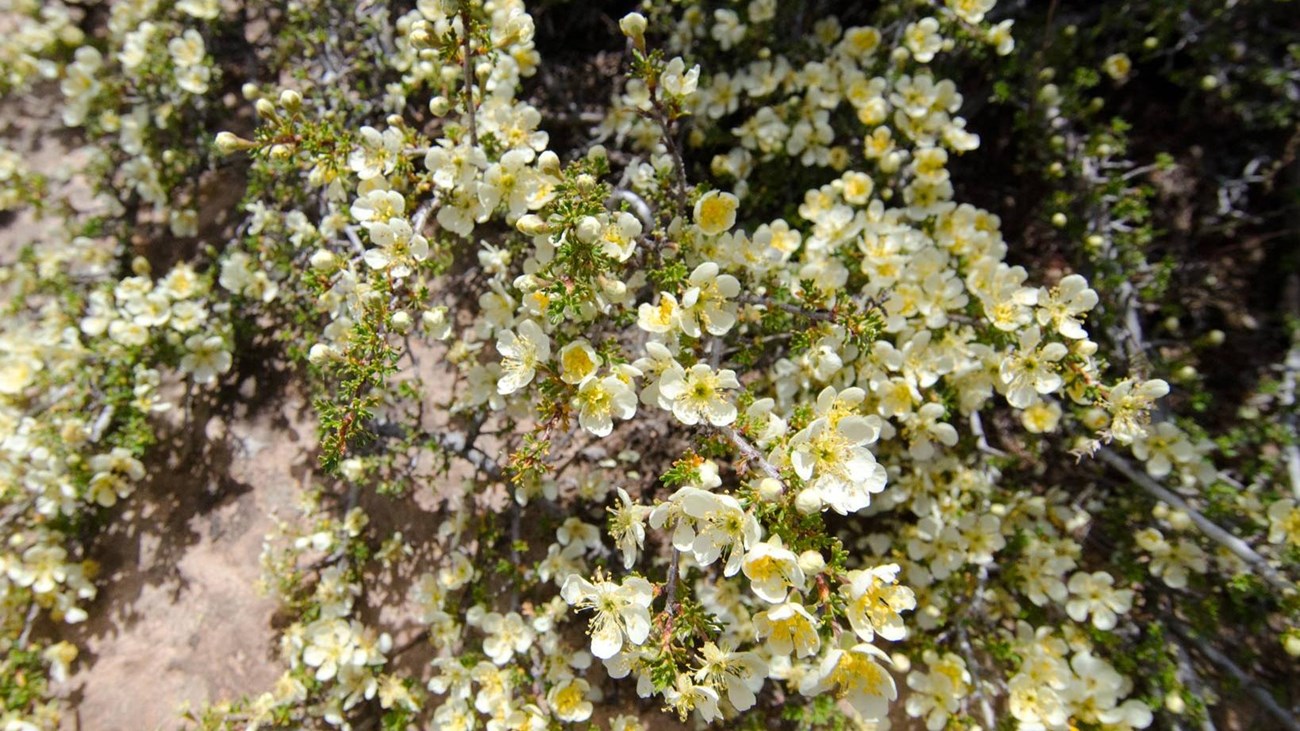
x: 178, y: 619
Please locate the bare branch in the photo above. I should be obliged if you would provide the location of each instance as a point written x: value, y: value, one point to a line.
x: 466, y: 55
x: 794, y: 309
x: 1238, y: 547
x: 750, y: 452
x: 1249, y: 684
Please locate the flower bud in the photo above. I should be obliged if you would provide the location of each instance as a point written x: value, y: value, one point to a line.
x: 323, y: 260
x: 902, y: 663
x: 290, y: 100
x: 532, y: 225
x: 420, y: 35
x: 319, y: 353
x: 249, y: 90
x: 808, y: 502
x: 229, y: 143
x: 1292, y: 645
x: 633, y: 26
x: 401, y: 322
x: 1175, y: 704
x: 439, y: 106
x: 352, y: 468
x: 770, y: 489
x: 549, y: 163
x: 436, y: 322
x: 811, y: 562
x: 265, y: 108
x: 1059, y: 219
x: 588, y: 229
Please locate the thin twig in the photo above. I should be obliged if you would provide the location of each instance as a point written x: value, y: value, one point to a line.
x: 981, y: 441
x: 670, y: 586
x: 1287, y: 400
x: 451, y: 441
x: 794, y: 309
x: 639, y: 207
x: 1190, y: 678
x: 421, y: 216
x: 750, y: 452
x: 28, y: 622
x: 670, y: 141
x: 466, y: 26
x: 1238, y: 547
x: 351, y: 233
x: 1249, y: 684
x: 986, y: 708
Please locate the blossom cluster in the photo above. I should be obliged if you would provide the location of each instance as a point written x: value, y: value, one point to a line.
x: 736, y: 405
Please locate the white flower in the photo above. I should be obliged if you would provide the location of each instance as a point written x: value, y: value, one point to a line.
x: 520, y: 355
x: 971, y: 11
x: 659, y: 318
x: 937, y: 694
x: 330, y: 645
x: 772, y: 570
x: 398, y: 247
x: 833, y: 458
x: 378, y: 207
x: 568, y: 700
x: 1129, y: 403
x: 578, y: 361
x: 1031, y: 369
x: 857, y: 677
x: 377, y: 154
x: 600, y: 400
x: 923, y: 39
x: 1284, y: 522
x: 616, y: 235
x: 876, y: 602
x: 627, y: 527
x: 207, y: 358
x: 188, y: 49
x: 1095, y: 594
x: 788, y: 628
x: 676, y: 81
x: 1063, y: 305
x: 201, y: 9
x: 619, y: 611
x: 1161, y: 447
x: 705, y: 303
x: 506, y: 636
x: 697, y: 395
x: 740, y: 674
x: 715, y: 212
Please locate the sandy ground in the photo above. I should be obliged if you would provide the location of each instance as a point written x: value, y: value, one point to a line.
x: 178, y: 619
